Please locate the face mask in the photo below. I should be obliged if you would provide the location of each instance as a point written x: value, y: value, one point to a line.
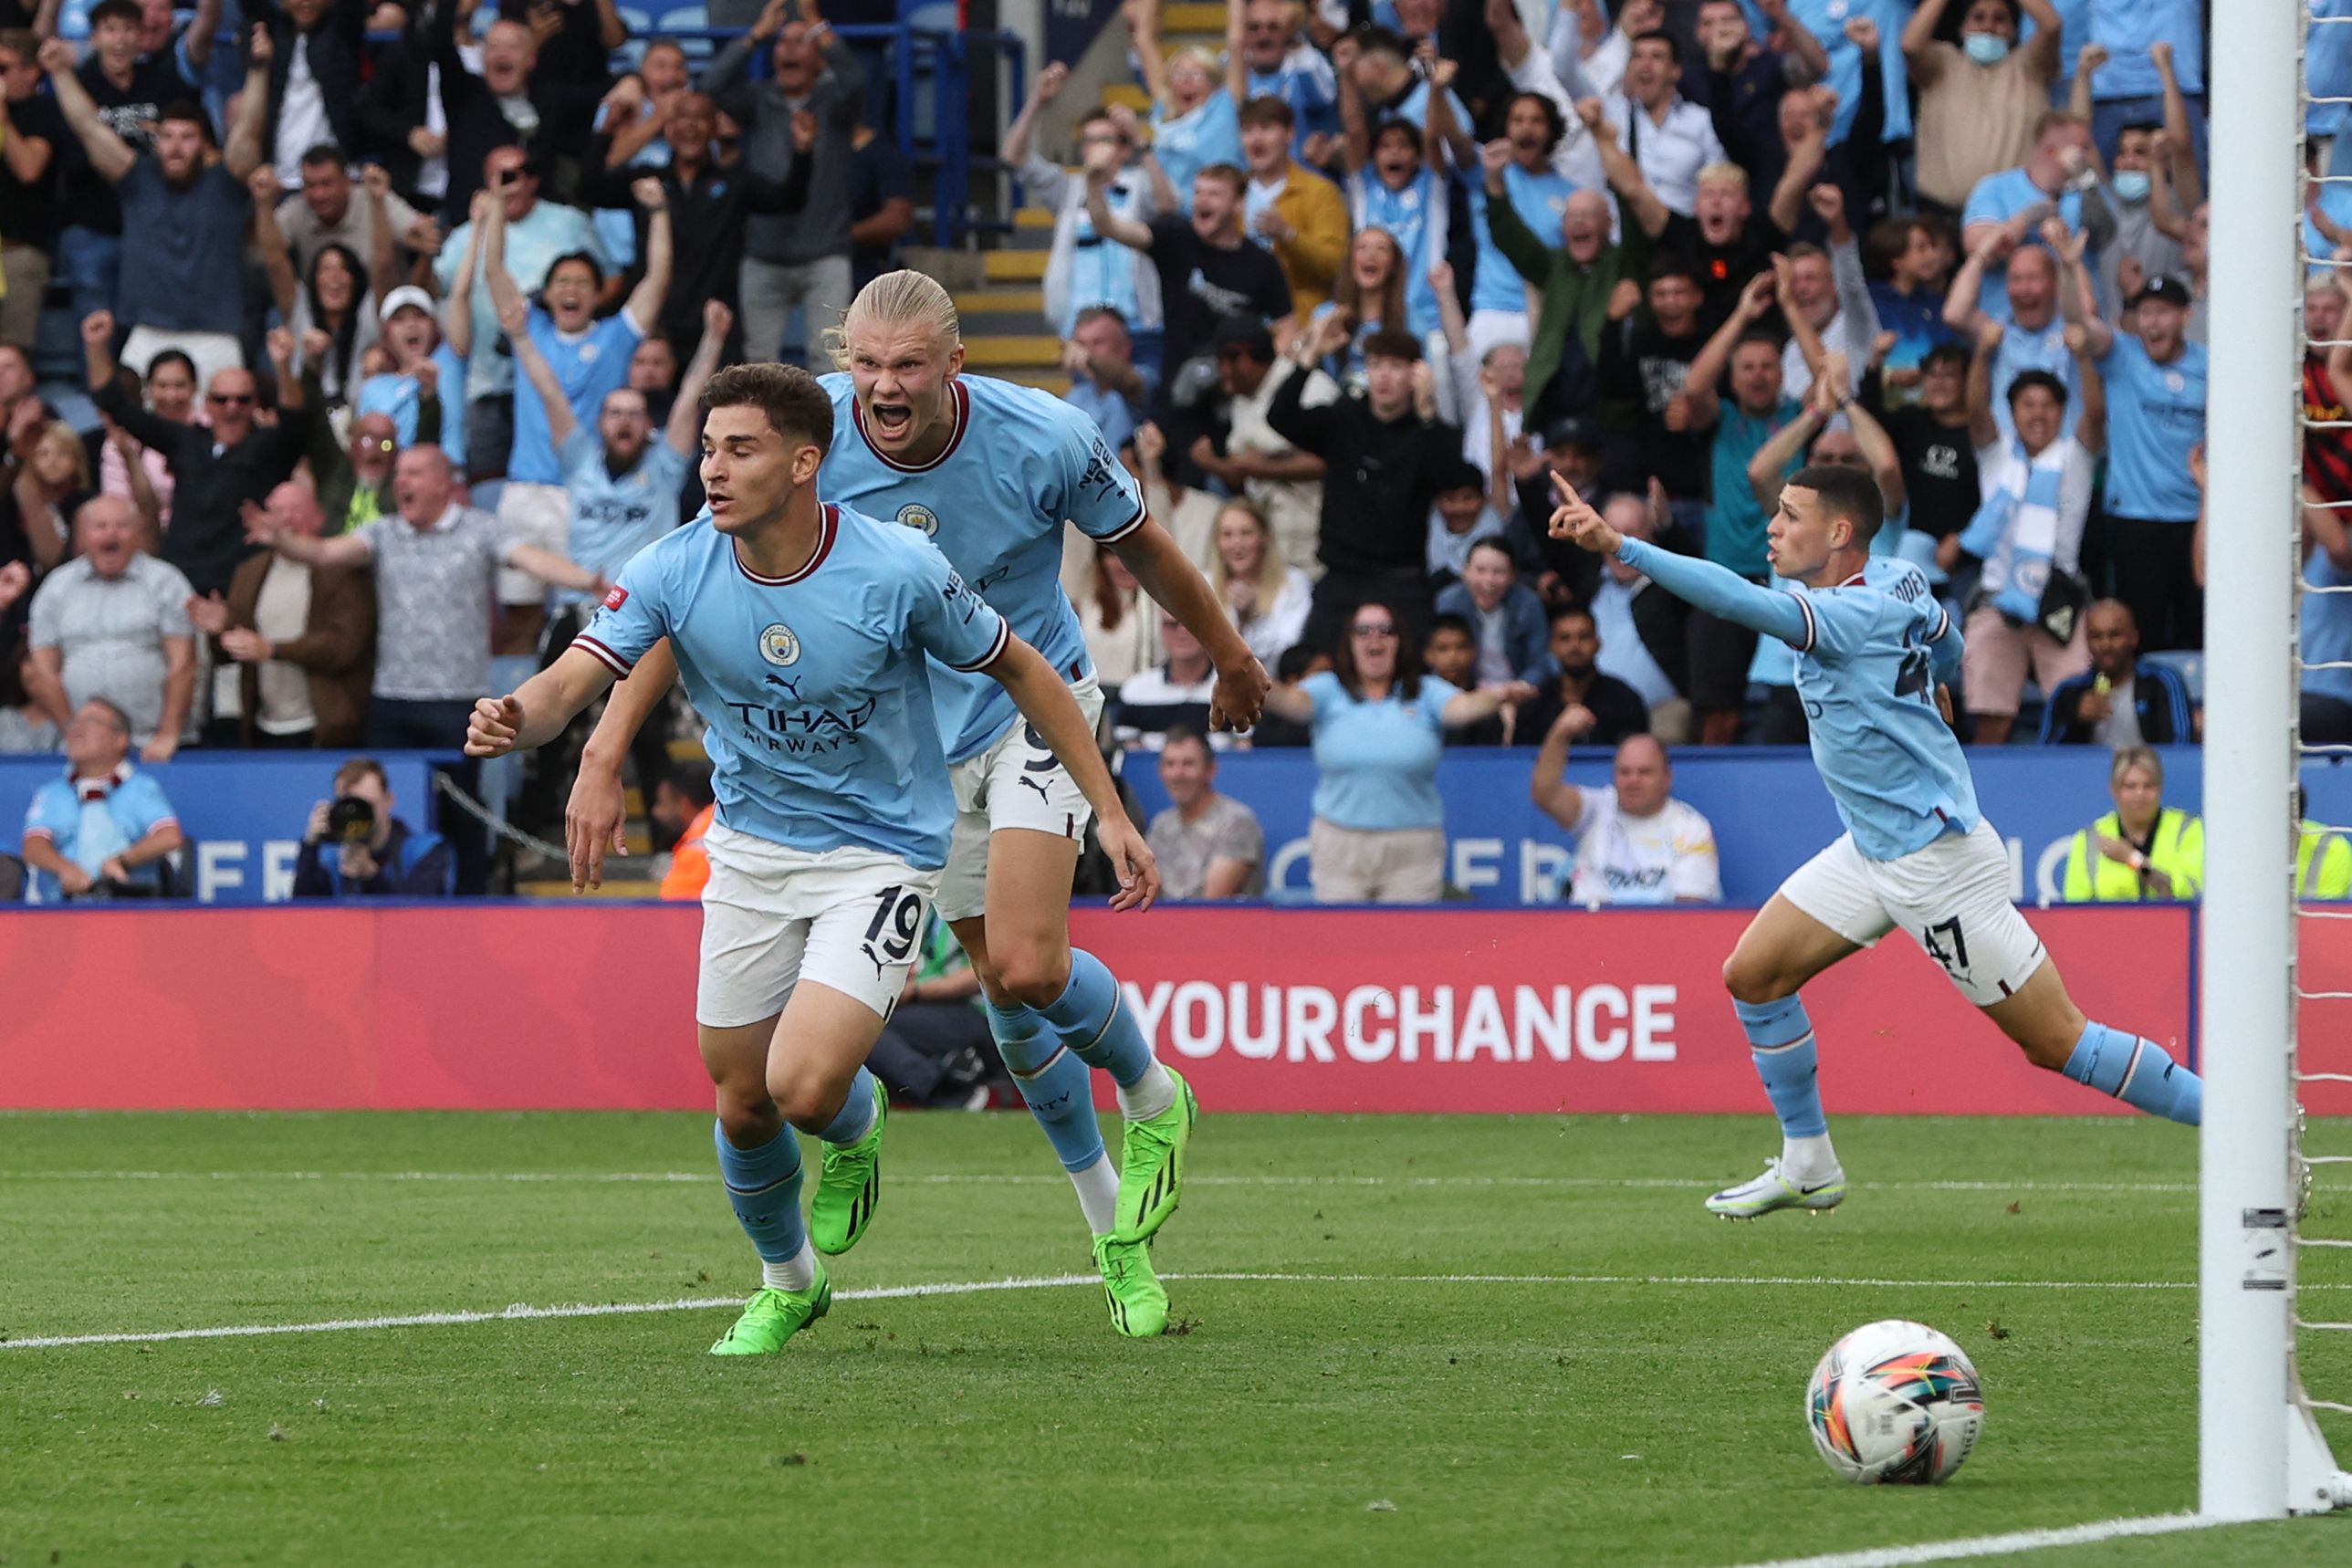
x: 2131, y: 186
x: 1986, y: 49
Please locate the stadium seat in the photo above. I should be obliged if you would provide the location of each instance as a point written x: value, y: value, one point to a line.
x: 689, y: 19
x: 2187, y: 663
x: 73, y: 19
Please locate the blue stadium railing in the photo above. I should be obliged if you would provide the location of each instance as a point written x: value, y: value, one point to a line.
x: 934, y: 130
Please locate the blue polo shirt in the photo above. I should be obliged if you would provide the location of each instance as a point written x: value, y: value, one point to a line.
x: 88, y: 827
x: 1376, y: 763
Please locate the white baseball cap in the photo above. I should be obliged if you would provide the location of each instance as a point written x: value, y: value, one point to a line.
x: 401, y: 299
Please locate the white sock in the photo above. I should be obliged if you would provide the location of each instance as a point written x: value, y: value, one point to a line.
x: 1098, y: 1187
x: 1148, y: 1096
x: 1805, y: 1161
x: 797, y: 1272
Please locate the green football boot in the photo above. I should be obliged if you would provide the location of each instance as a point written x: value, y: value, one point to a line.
x: 774, y: 1316
x: 1151, y: 1175
x: 850, y: 1185
x: 1139, y: 1306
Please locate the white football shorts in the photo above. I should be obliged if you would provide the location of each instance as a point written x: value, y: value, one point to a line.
x: 848, y: 919
x: 1951, y: 896
x: 1016, y: 782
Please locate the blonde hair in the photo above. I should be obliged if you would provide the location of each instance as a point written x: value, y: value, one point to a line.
x: 1272, y: 569
x: 2129, y: 757
x: 58, y: 434
x: 1724, y: 173
x: 900, y: 299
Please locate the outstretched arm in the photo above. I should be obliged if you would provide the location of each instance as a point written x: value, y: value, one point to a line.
x: 686, y: 413
x: 110, y: 154
x: 539, y: 709
x: 1553, y: 794
x: 514, y: 316
x: 1110, y: 225
x: 241, y: 153
x: 1717, y: 590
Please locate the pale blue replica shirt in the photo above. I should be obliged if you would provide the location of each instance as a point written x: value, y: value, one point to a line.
x: 816, y: 688
x: 1376, y: 763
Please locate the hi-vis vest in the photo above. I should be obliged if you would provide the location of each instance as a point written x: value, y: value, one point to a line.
x: 2322, y: 864
x: 2177, y: 850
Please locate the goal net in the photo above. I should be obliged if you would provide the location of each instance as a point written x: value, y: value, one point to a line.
x: 2275, y: 1218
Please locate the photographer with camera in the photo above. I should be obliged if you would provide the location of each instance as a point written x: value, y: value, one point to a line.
x: 103, y: 829
x: 354, y: 846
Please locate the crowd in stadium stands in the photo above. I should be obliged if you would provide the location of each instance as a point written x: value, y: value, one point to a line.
x: 390, y: 351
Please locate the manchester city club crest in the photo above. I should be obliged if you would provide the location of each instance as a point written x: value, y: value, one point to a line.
x: 778, y: 645
x: 914, y: 514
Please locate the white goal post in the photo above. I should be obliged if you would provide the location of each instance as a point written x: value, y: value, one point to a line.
x: 2260, y: 1453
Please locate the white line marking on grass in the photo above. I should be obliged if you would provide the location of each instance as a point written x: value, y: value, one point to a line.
x: 2001, y: 1545
x: 523, y: 1312
x: 1007, y: 1179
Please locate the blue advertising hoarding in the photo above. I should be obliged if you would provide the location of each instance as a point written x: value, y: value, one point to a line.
x: 243, y: 812
x: 1770, y: 811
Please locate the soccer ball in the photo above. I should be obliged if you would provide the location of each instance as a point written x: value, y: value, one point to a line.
x: 1894, y: 1401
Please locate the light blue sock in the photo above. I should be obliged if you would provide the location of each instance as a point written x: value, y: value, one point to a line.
x: 1095, y: 1023
x: 1780, y: 1041
x: 764, y: 1187
x: 2139, y: 1072
x: 1054, y: 1083
x: 855, y: 1118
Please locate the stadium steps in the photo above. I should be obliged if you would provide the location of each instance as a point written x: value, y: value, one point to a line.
x: 1001, y: 320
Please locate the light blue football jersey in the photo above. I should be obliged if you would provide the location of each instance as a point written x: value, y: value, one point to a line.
x: 1870, y: 653
x: 816, y: 688
x: 1018, y: 464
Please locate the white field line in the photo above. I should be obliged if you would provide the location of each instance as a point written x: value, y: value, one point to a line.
x: 2007, y: 1546
x: 523, y: 1312
x: 996, y: 1179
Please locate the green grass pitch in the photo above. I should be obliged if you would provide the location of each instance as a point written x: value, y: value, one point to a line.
x: 1405, y: 1340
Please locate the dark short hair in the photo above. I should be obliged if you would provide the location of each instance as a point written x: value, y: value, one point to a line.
x: 1093, y: 313
x: 1671, y: 265
x: 2149, y: 126
x: 692, y: 780
x: 186, y: 111
x: 1226, y: 172
x: 1460, y: 474
x: 1951, y: 355
x: 1660, y: 36
x: 1396, y: 127
x: 2029, y: 379
x: 595, y: 267
x: 1848, y: 493
x: 1268, y: 109
x: 322, y: 152
x: 1765, y: 335
x: 1292, y: 665
x: 1189, y: 734
x: 1386, y: 344
x: 793, y: 401
x: 1555, y: 124
x: 1491, y: 541
x: 358, y: 768
x: 106, y: 11
x: 1449, y: 622
x: 1572, y: 612
x: 1374, y: 39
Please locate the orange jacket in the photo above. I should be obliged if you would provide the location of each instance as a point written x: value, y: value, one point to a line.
x: 689, y: 866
